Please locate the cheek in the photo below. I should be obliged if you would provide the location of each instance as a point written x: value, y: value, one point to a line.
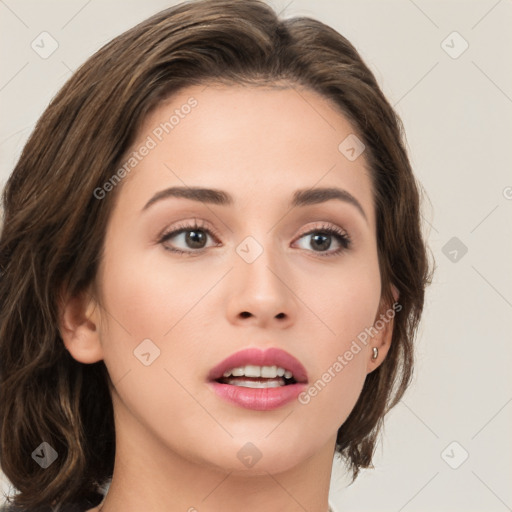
x: 148, y: 310
x: 136, y: 306
x: 334, y: 387
x: 346, y: 300
x: 347, y: 304
x: 146, y: 298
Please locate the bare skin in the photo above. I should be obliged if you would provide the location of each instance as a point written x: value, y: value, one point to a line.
x: 177, y: 441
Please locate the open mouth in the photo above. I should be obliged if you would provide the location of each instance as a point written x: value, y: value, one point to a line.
x: 261, y: 380
x: 257, y: 377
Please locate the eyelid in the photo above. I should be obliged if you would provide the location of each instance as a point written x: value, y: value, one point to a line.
x: 189, y: 225
x: 324, y: 227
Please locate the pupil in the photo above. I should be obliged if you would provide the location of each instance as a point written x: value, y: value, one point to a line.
x: 326, y: 241
x: 195, y: 239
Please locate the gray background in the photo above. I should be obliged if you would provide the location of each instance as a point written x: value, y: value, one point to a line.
x: 457, y: 111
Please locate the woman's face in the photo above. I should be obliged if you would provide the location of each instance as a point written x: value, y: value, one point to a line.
x: 260, y: 270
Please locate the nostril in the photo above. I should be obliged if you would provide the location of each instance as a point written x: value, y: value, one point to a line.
x: 245, y: 314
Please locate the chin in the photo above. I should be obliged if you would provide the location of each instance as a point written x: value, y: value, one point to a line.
x: 259, y: 457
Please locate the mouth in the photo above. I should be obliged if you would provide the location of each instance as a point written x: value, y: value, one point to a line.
x: 258, y: 379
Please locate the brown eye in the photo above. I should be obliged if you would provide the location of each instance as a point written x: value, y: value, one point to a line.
x: 190, y: 238
x: 187, y: 239
x: 321, y: 240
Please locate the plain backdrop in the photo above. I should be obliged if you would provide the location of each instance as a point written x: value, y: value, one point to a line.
x: 445, y: 66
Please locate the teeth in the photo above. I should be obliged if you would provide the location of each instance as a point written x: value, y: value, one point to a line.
x: 252, y: 371
x: 255, y: 384
x: 267, y: 372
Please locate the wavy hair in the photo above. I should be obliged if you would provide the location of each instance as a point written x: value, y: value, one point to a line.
x: 54, y: 227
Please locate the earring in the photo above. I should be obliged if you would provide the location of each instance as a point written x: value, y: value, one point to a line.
x: 375, y: 353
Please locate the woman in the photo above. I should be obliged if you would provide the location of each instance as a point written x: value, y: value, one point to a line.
x: 212, y: 270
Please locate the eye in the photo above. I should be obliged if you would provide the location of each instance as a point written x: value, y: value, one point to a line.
x: 322, y: 240
x: 193, y: 238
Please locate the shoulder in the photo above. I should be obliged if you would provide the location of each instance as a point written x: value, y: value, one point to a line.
x: 81, y: 506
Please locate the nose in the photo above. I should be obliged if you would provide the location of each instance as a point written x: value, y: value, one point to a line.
x: 261, y: 292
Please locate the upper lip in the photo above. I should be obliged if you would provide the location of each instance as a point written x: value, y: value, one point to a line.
x: 259, y: 357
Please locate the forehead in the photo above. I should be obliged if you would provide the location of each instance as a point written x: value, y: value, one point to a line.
x: 252, y: 141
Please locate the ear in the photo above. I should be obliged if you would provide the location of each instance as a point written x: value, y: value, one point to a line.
x: 383, y: 325
x: 79, y: 321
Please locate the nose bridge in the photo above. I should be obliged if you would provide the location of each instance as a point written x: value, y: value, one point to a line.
x: 258, y: 262
x: 260, y: 278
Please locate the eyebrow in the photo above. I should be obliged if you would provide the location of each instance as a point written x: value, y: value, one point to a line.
x: 303, y: 197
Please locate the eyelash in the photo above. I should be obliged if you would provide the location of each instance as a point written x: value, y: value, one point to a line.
x: 343, y: 238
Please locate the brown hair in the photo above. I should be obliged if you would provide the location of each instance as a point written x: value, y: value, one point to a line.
x: 54, y: 226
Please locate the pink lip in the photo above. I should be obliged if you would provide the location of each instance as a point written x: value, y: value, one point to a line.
x: 259, y: 399
x: 268, y: 357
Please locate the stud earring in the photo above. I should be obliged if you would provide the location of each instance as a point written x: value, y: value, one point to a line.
x: 375, y: 353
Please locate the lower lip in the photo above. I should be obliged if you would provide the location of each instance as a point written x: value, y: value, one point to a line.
x: 261, y: 399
